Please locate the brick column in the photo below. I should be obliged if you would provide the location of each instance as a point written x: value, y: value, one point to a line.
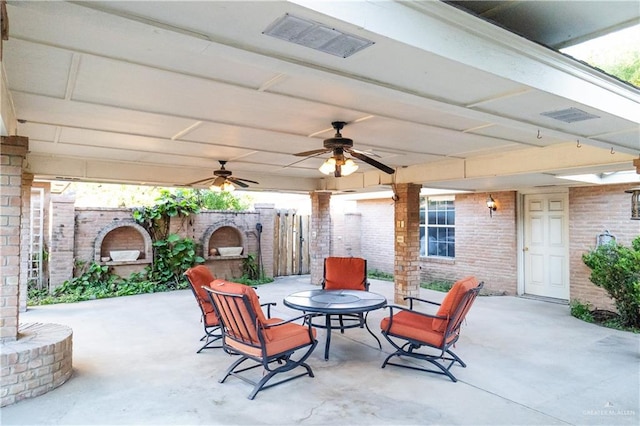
x: 267, y: 219
x: 320, y: 245
x: 61, y: 254
x: 25, y: 235
x: 13, y: 150
x: 407, y: 241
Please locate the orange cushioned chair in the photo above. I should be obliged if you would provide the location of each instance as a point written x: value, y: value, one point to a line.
x: 410, y: 331
x: 199, y: 276
x: 248, y: 333
x: 345, y: 273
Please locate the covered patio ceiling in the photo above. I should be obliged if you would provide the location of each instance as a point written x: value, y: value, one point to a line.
x: 159, y: 92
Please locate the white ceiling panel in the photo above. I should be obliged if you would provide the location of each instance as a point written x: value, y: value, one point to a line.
x: 152, y: 86
x: 38, y: 109
x: 38, y: 69
x: 529, y: 107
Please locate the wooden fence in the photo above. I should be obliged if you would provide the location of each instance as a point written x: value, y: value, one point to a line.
x: 290, y: 243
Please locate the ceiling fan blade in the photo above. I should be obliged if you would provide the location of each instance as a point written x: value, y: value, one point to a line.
x: 245, y: 180
x: 312, y: 152
x: 200, y: 181
x: 370, y: 154
x: 371, y: 161
x: 238, y: 182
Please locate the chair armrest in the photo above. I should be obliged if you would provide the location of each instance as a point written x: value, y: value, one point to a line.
x: 268, y: 305
x: 305, y: 316
x: 411, y: 299
x: 404, y: 308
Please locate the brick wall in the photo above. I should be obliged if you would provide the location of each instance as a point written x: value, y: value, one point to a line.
x: 592, y: 210
x: 346, y: 235
x: 485, y: 245
x: 114, y: 229
x: 63, y: 232
x: 377, y: 234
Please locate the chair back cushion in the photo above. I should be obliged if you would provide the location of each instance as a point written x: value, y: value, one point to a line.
x: 199, y: 276
x: 345, y: 273
x: 452, y: 300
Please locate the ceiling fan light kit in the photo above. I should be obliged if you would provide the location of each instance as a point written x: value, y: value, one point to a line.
x: 225, y: 187
x: 338, y: 164
x: 223, y: 181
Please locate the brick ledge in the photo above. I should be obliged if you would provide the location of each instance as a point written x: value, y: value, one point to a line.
x: 37, y: 362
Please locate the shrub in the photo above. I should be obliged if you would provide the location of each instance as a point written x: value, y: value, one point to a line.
x: 379, y: 275
x: 616, y: 269
x: 581, y: 310
x: 443, y: 286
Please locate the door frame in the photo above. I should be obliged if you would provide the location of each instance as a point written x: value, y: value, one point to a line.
x: 520, y: 231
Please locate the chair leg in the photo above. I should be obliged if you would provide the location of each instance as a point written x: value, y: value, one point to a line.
x: 210, y: 337
x: 262, y: 384
x: 285, y: 363
x: 408, y: 350
x: 444, y: 370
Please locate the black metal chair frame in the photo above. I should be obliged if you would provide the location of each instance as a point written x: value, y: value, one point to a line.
x: 445, y: 359
x: 212, y: 333
x: 283, y: 359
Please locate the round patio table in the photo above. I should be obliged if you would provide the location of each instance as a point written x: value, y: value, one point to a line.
x: 337, y: 302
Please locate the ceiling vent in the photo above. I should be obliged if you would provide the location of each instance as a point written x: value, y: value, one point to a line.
x: 569, y: 115
x: 316, y: 36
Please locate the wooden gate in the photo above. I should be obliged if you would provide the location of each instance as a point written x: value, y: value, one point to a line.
x: 290, y: 243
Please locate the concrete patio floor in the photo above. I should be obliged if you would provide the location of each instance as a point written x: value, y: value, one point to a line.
x: 529, y: 363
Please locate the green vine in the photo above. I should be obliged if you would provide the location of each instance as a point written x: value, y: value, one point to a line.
x: 174, y: 256
x: 156, y: 219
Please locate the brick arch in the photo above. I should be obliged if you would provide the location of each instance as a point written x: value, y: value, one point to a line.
x: 232, y: 235
x: 146, y: 238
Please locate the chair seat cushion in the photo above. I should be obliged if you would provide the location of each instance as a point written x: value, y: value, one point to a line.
x: 280, y: 339
x: 414, y: 327
x: 452, y: 300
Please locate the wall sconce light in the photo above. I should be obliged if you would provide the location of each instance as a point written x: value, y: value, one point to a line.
x: 338, y: 165
x: 635, y: 202
x: 491, y: 203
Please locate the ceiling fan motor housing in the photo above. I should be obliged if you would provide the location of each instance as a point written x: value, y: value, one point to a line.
x: 338, y: 142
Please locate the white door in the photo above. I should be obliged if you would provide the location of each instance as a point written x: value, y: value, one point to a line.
x: 546, y: 245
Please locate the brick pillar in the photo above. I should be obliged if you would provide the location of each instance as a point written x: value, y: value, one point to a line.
x: 267, y: 219
x: 320, y: 245
x: 13, y: 150
x: 407, y: 241
x: 61, y: 254
x: 25, y: 235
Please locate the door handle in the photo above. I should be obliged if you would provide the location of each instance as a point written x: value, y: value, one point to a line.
x: 526, y: 249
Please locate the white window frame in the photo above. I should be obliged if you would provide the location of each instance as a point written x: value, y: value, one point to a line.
x: 424, y: 226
